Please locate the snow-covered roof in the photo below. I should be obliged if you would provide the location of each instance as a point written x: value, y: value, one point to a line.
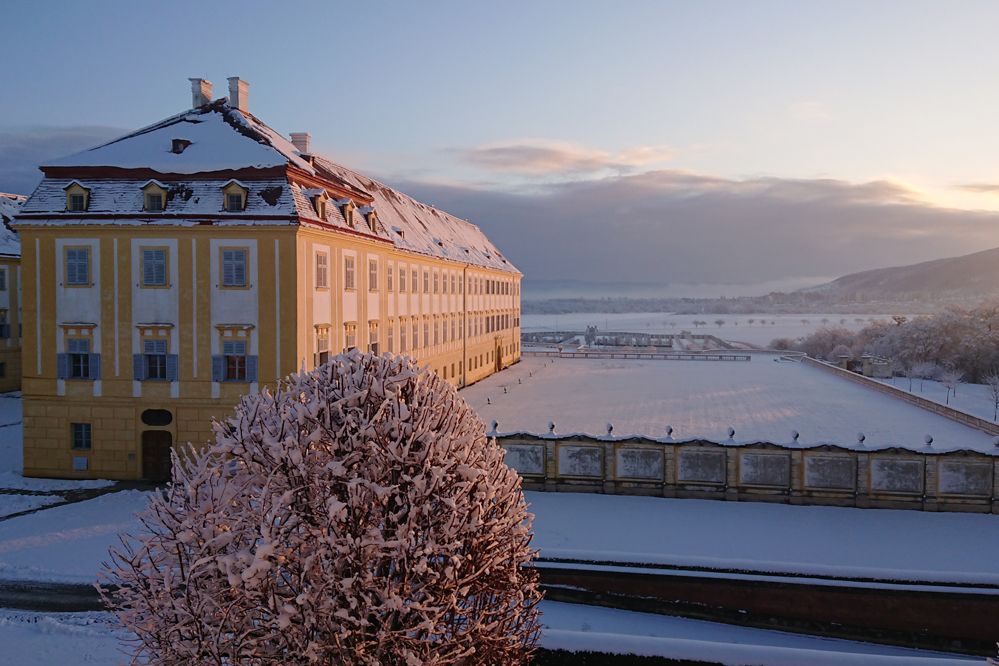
x: 10, y: 205
x: 224, y: 139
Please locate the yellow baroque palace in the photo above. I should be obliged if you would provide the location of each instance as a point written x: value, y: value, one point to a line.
x: 10, y: 295
x: 171, y: 271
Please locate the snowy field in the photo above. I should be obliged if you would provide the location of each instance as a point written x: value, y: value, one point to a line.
x: 975, y: 399
x: 76, y: 639
x: 760, y: 537
x: 760, y: 332
x: 762, y: 399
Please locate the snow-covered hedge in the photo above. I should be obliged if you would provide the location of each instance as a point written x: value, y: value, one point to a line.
x: 357, y: 514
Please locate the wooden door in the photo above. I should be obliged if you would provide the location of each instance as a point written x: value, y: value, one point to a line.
x: 156, y: 445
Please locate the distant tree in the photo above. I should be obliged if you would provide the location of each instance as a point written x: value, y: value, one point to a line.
x: 842, y: 322
x: 899, y: 319
x: 992, y: 382
x: 805, y: 322
x: 924, y: 370
x: 824, y: 321
x: 783, y: 344
x: 750, y: 321
x: 355, y: 514
x: 719, y: 322
x: 838, y: 352
x: 950, y: 378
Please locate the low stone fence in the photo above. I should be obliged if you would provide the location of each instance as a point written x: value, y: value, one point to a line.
x: 891, y: 478
x: 919, y: 401
x: 655, y: 356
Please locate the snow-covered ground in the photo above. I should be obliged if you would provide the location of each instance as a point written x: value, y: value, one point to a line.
x: 759, y: 537
x: 760, y: 332
x: 75, y: 639
x: 763, y: 399
x: 975, y: 399
x: 67, y: 543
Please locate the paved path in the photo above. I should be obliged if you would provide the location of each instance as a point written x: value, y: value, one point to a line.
x: 71, y: 496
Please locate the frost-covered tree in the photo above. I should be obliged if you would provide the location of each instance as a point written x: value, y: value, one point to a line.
x: 950, y: 378
x: 992, y: 382
x: 838, y: 353
x: 357, y: 514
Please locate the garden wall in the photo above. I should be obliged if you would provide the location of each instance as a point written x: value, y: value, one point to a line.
x: 893, y: 478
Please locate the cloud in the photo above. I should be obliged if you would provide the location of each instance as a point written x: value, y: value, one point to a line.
x: 672, y: 226
x: 23, y: 149
x: 809, y: 111
x: 980, y: 188
x: 553, y: 158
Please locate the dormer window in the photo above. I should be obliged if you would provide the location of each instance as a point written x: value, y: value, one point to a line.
x: 234, y: 196
x: 77, y: 197
x: 347, y: 208
x: 371, y: 217
x: 178, y: 146
x: 154, y: 196
x: 319, y: 201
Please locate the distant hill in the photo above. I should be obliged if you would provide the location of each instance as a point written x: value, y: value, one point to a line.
x: 971, y: 275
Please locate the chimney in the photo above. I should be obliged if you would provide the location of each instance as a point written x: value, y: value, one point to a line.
x: 301, y: 141
x: 201, y: 92
x: 239, y: 94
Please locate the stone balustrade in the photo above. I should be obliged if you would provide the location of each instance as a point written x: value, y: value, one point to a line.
x: 890, y: 478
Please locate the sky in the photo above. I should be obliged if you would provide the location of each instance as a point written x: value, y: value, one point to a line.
x: 644, y: 142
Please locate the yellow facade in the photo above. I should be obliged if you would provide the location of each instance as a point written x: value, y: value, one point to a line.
x: 467, y: 324
x: 10, y: 324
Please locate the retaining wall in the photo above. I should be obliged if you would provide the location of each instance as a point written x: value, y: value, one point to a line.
x: 892, y: 478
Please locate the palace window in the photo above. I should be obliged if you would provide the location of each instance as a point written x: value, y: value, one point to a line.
x: 81, y: 436
x: 373, y: 337
x: 426, y: 281
x: 348, y: 272
x: 390, y: 342
x: 4, y: 325
x: 372, y: 275
x: 79, y: 358
x: 426, y: 331
x: 437, y: 282
x: 154, y: 267
x: 234, y: 267
x: 154, y: 353
x: 437, y: 331
x: 322, y: 344
x: 388, y: 277
x: 77, y: 266
x: 415, y: 283
x: 322, y: 270
x: 350, y: 335
x: 234, y: 352
x: 3, y: 279
x: 402, y: 334
x: 402, y: 280
x: 416, y: 335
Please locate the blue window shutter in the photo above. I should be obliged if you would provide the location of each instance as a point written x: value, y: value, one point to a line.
x: 172, y: 367
x: 251, y: 368
x: 62, y: 366
x: 138, y: 367
x: 218, y: 368
x: 95, y: 366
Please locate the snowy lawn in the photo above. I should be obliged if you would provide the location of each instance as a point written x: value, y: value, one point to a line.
x: 11, y: 504
x: 975, y: 399
x: 760, y: 537
x: 75, y: 639
x: 736, y: 327
x: 576, y: 627
x: 763, y: 399
x: 67, y: 543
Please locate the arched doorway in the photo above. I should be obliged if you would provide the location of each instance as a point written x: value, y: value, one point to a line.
x: 156, y: 445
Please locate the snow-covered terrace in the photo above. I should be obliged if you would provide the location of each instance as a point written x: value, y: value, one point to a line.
x: 763, y: 400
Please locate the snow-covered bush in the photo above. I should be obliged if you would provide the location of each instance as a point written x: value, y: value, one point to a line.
x: 357, y: 514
